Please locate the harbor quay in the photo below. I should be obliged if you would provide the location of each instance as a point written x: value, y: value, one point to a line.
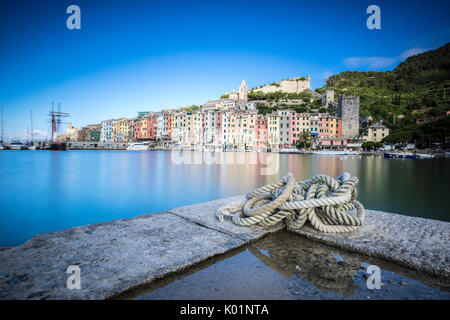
x: 110, y: 259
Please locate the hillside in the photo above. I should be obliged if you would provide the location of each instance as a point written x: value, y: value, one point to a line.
x: 417, y: 87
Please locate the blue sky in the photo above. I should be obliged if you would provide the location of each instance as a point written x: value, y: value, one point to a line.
x: 134, y: 55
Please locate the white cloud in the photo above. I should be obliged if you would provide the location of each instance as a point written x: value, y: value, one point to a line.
x: 380, y: 62
x: 370, y: 62
x: 412, y: 52
x: 325, y: 75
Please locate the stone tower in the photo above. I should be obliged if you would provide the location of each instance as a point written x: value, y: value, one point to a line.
x: 243, y: 92
x: 348, y: 111
x: 327, y: 97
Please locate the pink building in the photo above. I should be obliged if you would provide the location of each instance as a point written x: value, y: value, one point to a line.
x: 261, y: 132
x: 137, y: 130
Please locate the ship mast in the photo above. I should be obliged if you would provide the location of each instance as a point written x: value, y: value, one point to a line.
x: 2, y: 128
x: 55, y: 118
x: 31, y: 111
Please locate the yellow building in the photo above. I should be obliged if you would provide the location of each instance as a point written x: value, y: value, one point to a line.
x: 273, y: 130
x: 376, y: 132
x: 114, y: 130
x: 143, y: 127
x: 193, y: 128
x: 177, y: 130
x: 245, y: 129
x: 122, y: 130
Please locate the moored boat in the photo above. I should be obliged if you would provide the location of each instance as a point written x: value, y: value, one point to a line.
x: 16, y: 145
x: 335, y: 152
x: 30, y: 147
x: 425, y: 155
x: 56, y: 146
x: 137, y: 147
x: 399, y: 155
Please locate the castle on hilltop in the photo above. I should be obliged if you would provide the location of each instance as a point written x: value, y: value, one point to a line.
x: 292, y: 85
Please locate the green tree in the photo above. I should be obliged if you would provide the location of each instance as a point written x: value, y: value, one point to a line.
x: 368, y: 145
x: 304, y: 140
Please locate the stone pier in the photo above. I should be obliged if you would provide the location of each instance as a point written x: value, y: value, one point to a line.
x: 122, y: 255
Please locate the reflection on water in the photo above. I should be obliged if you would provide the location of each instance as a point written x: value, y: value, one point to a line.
x: 319, y: 267
x: 287, y: 266
x: 47, y: 191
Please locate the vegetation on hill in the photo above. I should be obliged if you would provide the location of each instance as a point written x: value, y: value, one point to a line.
x: 191, y: 108
x: 279, y: 96
x: 423, y: 134
x: 272, y: 101
x: 418, y: 87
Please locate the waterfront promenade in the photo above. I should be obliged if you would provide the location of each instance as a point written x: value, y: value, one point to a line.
x: 123, y: 255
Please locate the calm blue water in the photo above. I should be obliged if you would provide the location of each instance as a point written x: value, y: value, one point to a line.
x: 43, y: 191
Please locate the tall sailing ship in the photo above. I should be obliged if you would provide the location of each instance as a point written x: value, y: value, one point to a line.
x: 56, y: 121
x: 1, y: 141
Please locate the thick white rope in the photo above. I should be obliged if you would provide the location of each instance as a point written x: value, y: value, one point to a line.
x: 323, y: 201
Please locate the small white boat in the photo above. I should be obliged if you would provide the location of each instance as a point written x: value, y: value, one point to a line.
x: 30, y: 147
x: 137, y: 147
x: 425, y: 155
x: 336, y: 152
x: 2, y: 147
x: 16, y: 145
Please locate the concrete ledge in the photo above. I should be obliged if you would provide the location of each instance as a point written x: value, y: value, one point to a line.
x: 204, y: 214
x: 117, y: 256
x: 122, y: 255
x: 417, y: 243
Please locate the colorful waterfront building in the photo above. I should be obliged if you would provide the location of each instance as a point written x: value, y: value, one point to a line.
x: 245, y: 134
x: 376, y: 132
x: 329, y: 126
x: 273, y: 131
x: 261, y: 132
x: 105, y: 131
x: 193, y: 129
x: 122, y: 130
x: 177, y: 128
x: 285, y: 118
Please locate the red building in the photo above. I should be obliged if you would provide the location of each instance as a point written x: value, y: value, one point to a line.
x: 152, y: 126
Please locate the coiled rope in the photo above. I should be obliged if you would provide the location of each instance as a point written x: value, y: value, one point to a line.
x: 322, y: 200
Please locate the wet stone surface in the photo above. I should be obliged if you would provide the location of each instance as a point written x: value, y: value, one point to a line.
x: 113, y: 257
x: 286, y: 266
x: 417, y: 243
